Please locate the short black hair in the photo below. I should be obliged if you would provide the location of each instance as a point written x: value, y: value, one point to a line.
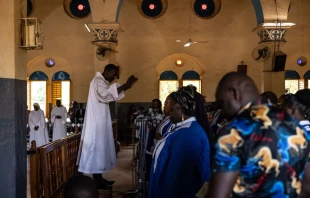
x: 81, y: 187
x: 110, y: 67
x: 271, y: 96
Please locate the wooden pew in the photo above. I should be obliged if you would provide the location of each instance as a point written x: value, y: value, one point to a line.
x: 51, y: 165
x: 54, y: 162
x: 73, y: 143
x: 36, y: 188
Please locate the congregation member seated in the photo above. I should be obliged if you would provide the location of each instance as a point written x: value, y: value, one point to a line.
x: 269, y: 97
x: 81, y: 187
x: 263, y: 152
x: 181, y: 159
x: 298, y: 106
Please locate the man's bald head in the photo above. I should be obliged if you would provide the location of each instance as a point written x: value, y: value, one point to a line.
x: 234, y: 91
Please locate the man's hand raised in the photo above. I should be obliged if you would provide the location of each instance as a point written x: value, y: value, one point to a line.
x: 131, y: 81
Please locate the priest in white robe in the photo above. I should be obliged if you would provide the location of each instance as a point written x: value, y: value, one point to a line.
x: 37, y: 126
x: 59, y: 120
x: 97, y: 151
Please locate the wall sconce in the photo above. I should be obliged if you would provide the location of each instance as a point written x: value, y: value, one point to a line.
x: 49, y: 62
x: 179, y: 62
x: 302, y: 61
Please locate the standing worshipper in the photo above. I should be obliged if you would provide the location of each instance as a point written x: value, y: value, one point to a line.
x: 80, y: 114
x: 37, y: 126
x: 97, y: 151
x: 163, y: 127
x: 269, y: 97
x: 181, y: 159
x: 59, y: 120
x: 263, y: 152
x: 298, y: 106
x: 72, y: 112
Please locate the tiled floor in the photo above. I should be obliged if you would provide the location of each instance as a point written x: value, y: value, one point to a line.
x: 122, y: 174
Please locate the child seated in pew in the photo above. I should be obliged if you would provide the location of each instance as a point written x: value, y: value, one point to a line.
x: 81, y: 187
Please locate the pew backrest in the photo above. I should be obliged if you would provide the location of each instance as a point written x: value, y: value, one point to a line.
x: 54, y: 163
x: 51, y: 165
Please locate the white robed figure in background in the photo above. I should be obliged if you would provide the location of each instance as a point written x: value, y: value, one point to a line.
x: 97, y: 150
x: 37, y: 126
x: 59, y: 120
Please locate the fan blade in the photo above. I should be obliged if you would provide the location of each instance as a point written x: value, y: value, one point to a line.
x: 201, y: 42
x: 179, y: 41
x: 259, y: 56
x: 187, y: 44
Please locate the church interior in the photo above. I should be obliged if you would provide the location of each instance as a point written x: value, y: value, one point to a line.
x: 51, y: 51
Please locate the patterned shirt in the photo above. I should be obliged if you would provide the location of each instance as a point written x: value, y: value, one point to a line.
x: 268, y: 148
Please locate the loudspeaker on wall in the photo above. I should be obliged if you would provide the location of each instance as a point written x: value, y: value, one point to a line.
x: 279, y: 60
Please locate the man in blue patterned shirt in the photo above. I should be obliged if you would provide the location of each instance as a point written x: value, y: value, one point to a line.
x: 263, y: 152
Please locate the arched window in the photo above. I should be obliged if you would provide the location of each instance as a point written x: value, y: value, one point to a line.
x: 293, y: 82
x: 168, y: 82
x: 36, y: 90
x: 61, y: 88
x: 307, y: 79
x: 192, y: 78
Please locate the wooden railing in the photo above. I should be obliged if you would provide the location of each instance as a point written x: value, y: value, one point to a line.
x: 51, y: 165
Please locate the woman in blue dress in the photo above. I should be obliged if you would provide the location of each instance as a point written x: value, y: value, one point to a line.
x: 181, y: 159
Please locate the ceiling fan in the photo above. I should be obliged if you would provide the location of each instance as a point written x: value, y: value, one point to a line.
x: 190, y: 42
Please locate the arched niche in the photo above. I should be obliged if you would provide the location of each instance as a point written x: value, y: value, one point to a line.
x: 60, y: 76
x: 291, y: 75
x: 190, y: 63
x: 192, y: 78
x: 168, y: 75
x: 191, y: 75
x: 38, y: 76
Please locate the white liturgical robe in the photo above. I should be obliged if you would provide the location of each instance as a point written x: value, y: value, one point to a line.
x: 97, y: 150
x: 36, y: 118
x: 59, y: 125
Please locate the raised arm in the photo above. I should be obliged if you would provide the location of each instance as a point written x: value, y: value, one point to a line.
x: 113, y: 92
x: 130, y: 82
